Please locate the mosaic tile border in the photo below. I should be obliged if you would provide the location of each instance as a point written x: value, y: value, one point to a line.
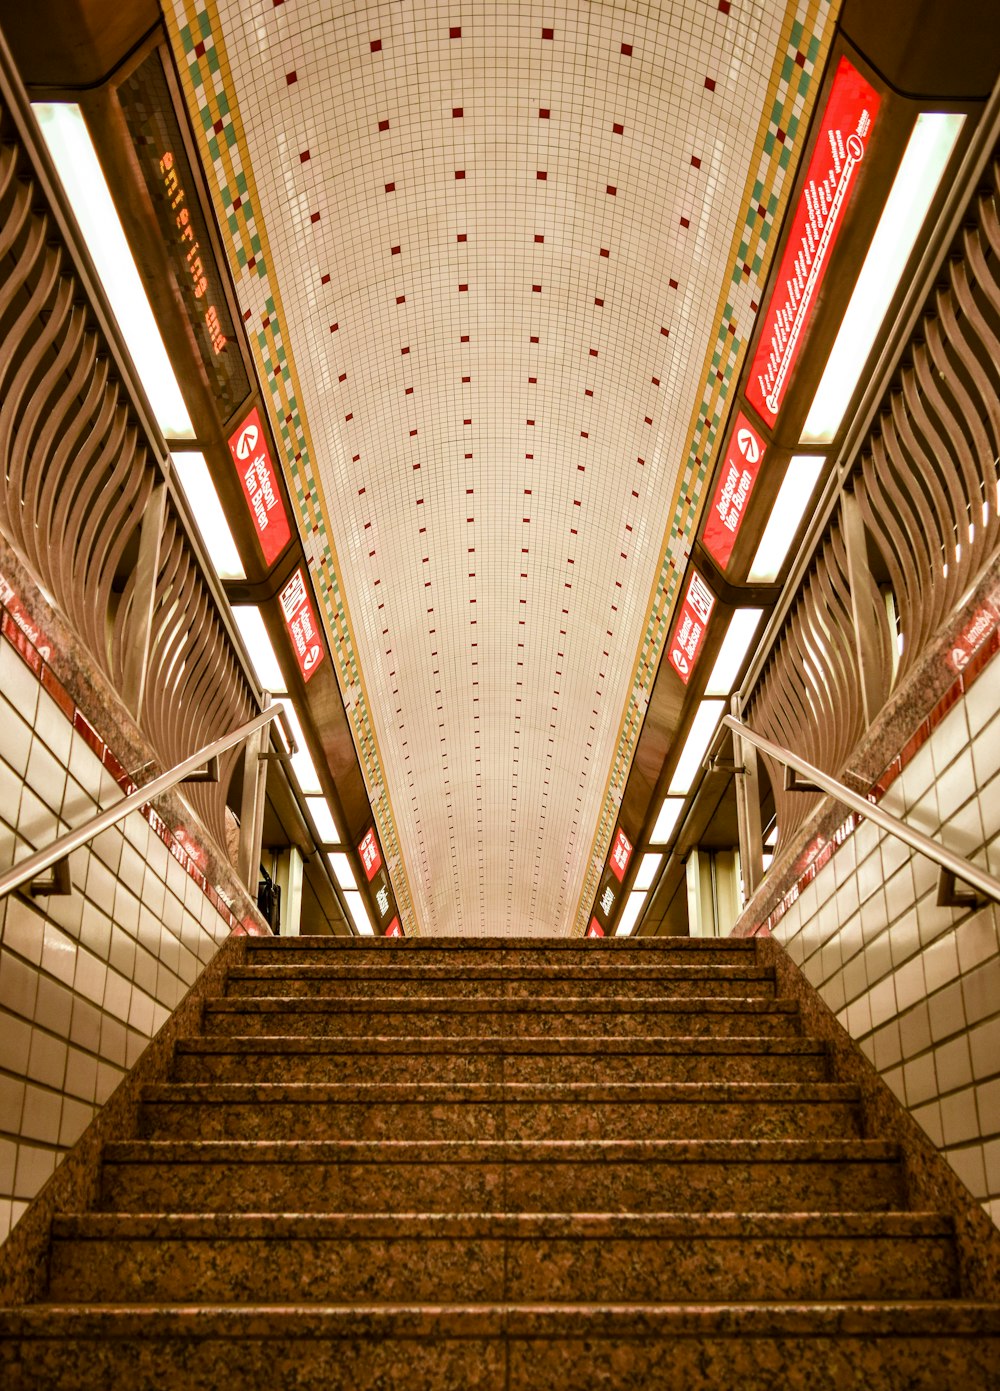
x: 206, y: 79
x: 807, y: 32
x: 23, y: 637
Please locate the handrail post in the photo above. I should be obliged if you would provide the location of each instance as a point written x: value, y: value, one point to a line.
x: 252, y: 806
x: 748, y: 810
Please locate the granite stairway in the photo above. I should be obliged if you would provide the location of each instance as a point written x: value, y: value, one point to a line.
x: 502, y: 1164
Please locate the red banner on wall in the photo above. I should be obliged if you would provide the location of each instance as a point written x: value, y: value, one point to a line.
x: 736, y: 479
x: 301, y: 624
x: 692, y: 622
x: 845, y: 130
x: 621, y: 853
x: 371, y: 856
x: 248, y: 446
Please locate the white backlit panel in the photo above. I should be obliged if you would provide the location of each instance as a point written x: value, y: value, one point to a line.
x: 500, y: 234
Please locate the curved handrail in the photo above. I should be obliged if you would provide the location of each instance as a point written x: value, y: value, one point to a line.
x: 42, y: 860
x: 962, y: 869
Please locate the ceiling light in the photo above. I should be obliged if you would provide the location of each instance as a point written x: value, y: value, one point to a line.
x: 341, y: 866
x: 732, y: 653
x: 667, y: 820
x: 771, y: 839
x: 696, y: 745
x: 200, y: 492
x: 789, y: 508
x: 916, y: 182
x: 646, y: 872
x: 359, y: 913
x: 79, y: 170
x: 302, y: 764
x: 258, y: 644
x: 630, y: 913
x: 323, y: 820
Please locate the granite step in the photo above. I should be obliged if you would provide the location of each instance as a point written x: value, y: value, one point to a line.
x: 389, y: 953
x: 429, y: 1016
x: 510, y: 1175
x: 106, y: 1258
x: 487, y: 983
x: 305, y: 1059
x: 757, y: 1346
x: 483, y: 1111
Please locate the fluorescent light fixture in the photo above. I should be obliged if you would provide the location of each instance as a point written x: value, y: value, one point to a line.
x: 767, y: 861
x: 359, y: 913
x: 789, y: 508
x: 667, y: 820
x: 913, y: 189
x: 79, y: 169
x: 732, y: 653
x: 302, y: 764
x: 323, y: 819
x: 341, y: 866
x: 771, y: 839
x: 696, y: 746
x: 258, y: 644
x: 646, y: 872
x: 630, y: 914
x: 199, y: 490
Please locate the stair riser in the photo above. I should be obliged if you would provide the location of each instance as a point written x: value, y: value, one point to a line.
x: 605, y: 958
x: 472, y: 1067
x: 575, y: 1120
x: 478, y: 1269
x: 488, y: 990
x: 484, y: 1363
x: 852, y: 1186
x: 515, y: 1024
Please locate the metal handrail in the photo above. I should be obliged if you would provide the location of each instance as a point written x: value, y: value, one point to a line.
x: 42, y: 860
x: 954, y: 864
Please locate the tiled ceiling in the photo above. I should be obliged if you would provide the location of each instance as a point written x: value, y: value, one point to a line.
x: 499, y: 234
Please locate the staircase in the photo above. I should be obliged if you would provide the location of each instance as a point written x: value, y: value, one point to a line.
x: 505, y: 1164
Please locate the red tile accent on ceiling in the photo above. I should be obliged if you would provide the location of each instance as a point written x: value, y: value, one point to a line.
x: 291, y: 77
x: 536, y: 289
x: 612, y: 190
x: 541, y: 174
x: 539, y: 237
x: 400, y: 299
x: 665, y: 332
x: 376, y: 45
x: 710, y: 84
x: 383, y: 125
x: 544, y: 112
x: 618, y: 128
x: 457, y: 111
x: 463, y: 287
x: 455, y: 32
x: 403, y: 351
x: 462, y: 236
x: 459, y: 173
x: 390, y: 188
x: 605, y: 251
x: 303, y: 157
x: 672, y: 283
x: 314, y: 217
x: 627, y: 50
x: 724, y: 6
x: 324, y: 279
x: 395, y: 250
x: 696, y: 162
x: 685, y: 222
x: 333, y: 327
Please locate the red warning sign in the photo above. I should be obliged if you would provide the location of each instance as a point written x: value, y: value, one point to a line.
x: 248, y: 446
x: 732, y: 492
x: 371, y: 857
x: 301, y: 624
x: 692, y: 623
x: 621, y: 853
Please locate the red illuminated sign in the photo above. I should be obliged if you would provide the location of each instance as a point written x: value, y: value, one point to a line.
x: 595, y: 929
x: 621, y: 853
x: 252, y: 458
x: 732, y: 492
x: 371, y: 857
x: 692, y: 621
x: 972, y: 637
x: 844, y: 133
x: 301, y: 624
x: 394, y: 929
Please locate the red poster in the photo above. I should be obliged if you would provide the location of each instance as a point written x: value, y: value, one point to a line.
x: 394, y: 929
x: 252, y: 458
x: 621, y: 853
x: 301, y: 624
x: 692, y: 621
x: 371, y: 857
x: 595, y: 929
x: 732, y: 492
x: 843, y: 137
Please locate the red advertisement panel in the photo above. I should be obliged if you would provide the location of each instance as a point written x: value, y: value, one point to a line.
x: 692, y: 623
x: 252, y: 458
x: 394, y: 929
x: 845, y: 130
x: 621, y: 853
x: 732, y: 493
x: 301, y: 624
x: 371, y: 856
x: 595, y: 929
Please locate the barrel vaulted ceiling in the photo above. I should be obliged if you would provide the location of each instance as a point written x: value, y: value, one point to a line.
x: 498, y: 263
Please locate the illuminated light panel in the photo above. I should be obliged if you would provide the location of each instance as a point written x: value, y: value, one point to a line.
x: 341, y: 866
x: 732, y: 653
x: 359, y: 913
x: 200, y: 492
x: 259, y: 646
x: 630, y: 913
x: 323, y: 818
x: 923, y: 164
x: 646, y: 872
x: 789, y: 508
x: 667, y: 820
x: 302, y: 764
x: 696, y: 745
x: 79, y: 169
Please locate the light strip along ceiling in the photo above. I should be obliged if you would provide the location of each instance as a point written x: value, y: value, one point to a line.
x: 482, y: 254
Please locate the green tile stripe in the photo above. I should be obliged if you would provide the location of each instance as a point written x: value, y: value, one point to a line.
x: 808, y: 31
x: 196, y: 34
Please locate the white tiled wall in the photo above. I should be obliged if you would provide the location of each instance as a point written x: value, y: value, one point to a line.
x: 86, y: 980
x: 917, y: 986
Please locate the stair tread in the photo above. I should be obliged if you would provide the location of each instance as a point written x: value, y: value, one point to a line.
x: 90, y: 1226
x: 498, y: 1043
x: 548, y: 1004
x: 352, y: 971
x: 547, y: 1092
x: 589, y: 945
